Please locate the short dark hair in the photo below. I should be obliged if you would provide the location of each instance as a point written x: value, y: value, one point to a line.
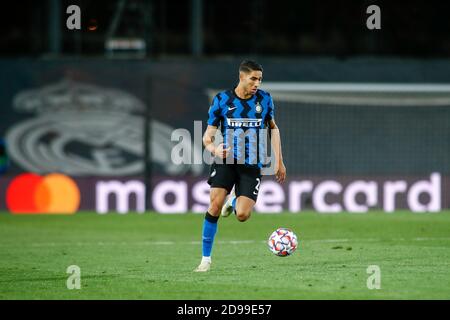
x: 248, y: 66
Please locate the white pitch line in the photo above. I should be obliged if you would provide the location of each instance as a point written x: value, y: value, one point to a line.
x: 232, y: 242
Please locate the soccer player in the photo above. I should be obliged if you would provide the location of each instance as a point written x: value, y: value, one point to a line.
x: 242, y: 113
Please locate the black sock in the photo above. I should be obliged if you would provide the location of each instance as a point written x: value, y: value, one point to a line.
x: 211, y: 218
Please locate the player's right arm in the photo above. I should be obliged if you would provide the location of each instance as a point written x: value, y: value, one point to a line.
x: 208, y: 142
x: 214, y: 117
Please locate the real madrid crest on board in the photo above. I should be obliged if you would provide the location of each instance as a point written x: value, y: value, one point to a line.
x: 258, y: 107
x: 82, y: 129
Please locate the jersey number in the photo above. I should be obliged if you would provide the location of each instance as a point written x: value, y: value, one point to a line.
x: 257, y: 186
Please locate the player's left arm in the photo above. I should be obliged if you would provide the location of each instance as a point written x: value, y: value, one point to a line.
x: 280, y: 168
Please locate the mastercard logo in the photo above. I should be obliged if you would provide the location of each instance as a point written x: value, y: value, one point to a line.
x: 51, y: 194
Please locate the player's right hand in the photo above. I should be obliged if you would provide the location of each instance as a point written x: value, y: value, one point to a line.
x: 221, y: 152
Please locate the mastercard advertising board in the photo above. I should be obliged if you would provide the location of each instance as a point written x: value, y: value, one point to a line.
x: 54, y: 193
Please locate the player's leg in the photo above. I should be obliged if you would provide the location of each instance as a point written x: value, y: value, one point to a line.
x: 246, y: 189
x: 244, y: 207
x: 221, y: 180
x: 217, y: 197
x: 229, y: 206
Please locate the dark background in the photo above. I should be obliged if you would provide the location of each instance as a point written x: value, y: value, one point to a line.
x: 417, y: 28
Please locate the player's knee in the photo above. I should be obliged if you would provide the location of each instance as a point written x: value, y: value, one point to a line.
x: 242, y: 215
x: 214, y: 208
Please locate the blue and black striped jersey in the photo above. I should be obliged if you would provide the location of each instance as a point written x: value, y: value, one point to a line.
x: 244, y: 124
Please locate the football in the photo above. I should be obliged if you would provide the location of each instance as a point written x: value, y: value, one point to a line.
x: 282, y: 242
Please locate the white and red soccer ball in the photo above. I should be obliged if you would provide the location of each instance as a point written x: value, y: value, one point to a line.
x: 282, y: 242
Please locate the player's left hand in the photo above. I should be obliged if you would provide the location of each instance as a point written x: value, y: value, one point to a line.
x: 280, y: 172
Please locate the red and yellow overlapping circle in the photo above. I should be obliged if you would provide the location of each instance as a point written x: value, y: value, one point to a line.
x: 52, y: 194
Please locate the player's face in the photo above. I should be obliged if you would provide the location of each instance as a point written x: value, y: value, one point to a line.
x: 251, y: 81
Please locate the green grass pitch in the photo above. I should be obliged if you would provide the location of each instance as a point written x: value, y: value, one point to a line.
x: 151, y: 256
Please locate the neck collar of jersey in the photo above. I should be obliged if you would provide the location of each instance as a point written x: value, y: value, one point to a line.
x: 233, y: 92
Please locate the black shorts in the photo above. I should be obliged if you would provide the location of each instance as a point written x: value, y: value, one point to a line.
x: 245, y: 179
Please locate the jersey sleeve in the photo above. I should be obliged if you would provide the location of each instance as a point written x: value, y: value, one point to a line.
x: 214, y: 113
x: 271, y: 113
